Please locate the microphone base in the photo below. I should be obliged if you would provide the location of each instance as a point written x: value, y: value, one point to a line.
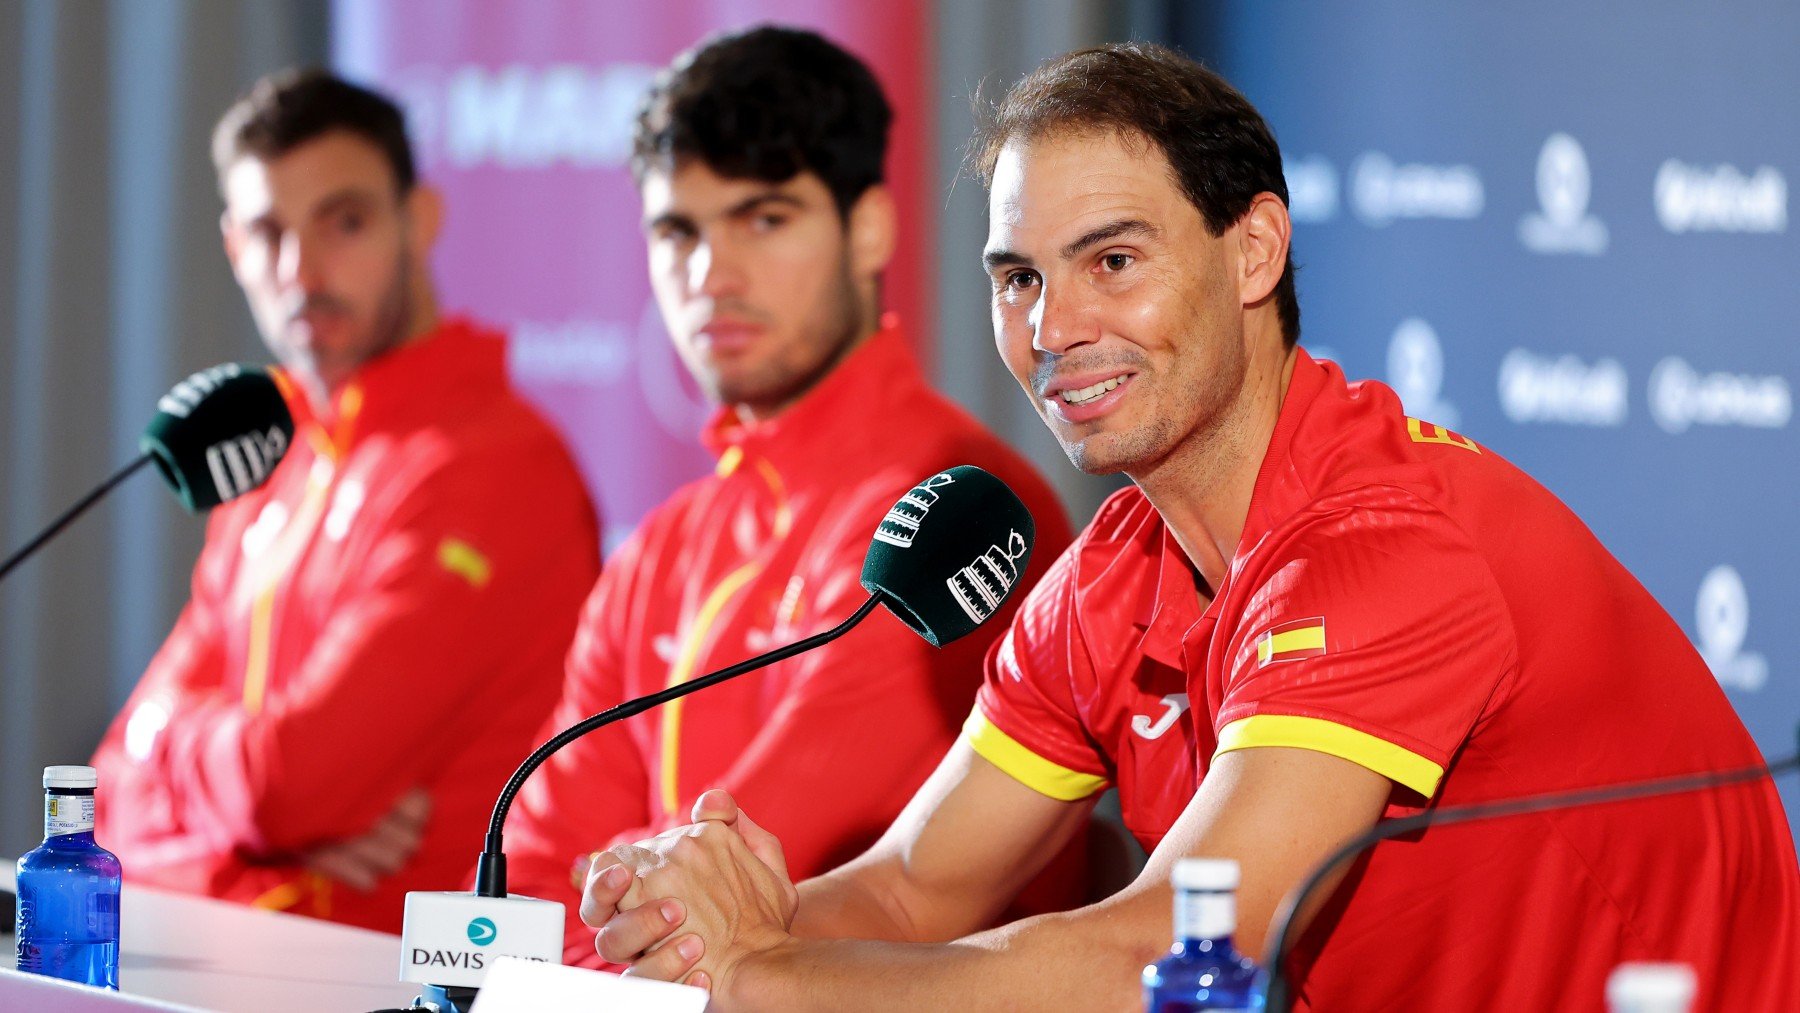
x: 447, y: 998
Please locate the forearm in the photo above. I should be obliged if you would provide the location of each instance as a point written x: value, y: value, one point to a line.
x: 1091, y: 958
x: 853, y: 902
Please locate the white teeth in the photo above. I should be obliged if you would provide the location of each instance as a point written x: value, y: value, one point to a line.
x: 1086, y: 394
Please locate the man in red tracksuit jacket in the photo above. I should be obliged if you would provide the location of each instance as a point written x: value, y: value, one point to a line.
x: 376, y: 634
x: 759, y: 160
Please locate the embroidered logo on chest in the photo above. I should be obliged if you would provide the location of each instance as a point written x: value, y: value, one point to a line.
x: 1174, y: 705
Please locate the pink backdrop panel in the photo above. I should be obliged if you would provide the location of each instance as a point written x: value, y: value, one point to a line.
x: 521, y: 112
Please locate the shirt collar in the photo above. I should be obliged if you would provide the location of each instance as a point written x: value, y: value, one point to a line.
x: 1166, y: 607
x: 879, y: 373
x: 409, y: 383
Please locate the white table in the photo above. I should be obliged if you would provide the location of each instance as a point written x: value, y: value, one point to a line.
x: 219, y: 956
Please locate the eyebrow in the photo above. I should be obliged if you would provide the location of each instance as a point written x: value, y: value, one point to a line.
x: 349, y: 197
x: 1138, y: 227
x: 678, y: 219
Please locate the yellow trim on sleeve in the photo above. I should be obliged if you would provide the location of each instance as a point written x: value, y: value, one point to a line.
x: 1396, y: 763
x: 1025, y: 766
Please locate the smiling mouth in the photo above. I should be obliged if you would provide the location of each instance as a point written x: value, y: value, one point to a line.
x: 1092, y: 393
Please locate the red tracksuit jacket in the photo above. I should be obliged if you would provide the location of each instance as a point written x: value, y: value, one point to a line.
x: 390, y: 611
x: 823, y: 749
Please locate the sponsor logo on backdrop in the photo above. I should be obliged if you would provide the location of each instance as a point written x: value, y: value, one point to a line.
x: 593, y: 352
x: 1681, y: 396
x: 1312, y: 184
x: 1564, y: 389
x: 1382, y: 191
x: 1721, y: 622
x: 1415, y: 369
x: 1720, y: 198
x: 1562, y: 223
x: 523, y: 116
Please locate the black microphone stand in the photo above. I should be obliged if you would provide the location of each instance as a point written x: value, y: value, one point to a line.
x: 490, y: 872
x: 70, y: 514
x: 1278, y: 998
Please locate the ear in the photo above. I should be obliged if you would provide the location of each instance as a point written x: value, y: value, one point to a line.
x: 424, y: 218
x: 1263, y: 234
x: 872, y: 226
x: 228, y: 237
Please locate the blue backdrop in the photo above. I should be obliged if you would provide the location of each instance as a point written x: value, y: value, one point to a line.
x: 1563, y: 229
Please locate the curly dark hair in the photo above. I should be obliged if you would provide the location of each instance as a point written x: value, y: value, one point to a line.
x: 1215, y: 141
x: 286, y: 109
x: 768, y: 104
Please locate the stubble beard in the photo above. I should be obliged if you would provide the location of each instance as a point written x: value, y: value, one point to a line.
x: 781, y: 381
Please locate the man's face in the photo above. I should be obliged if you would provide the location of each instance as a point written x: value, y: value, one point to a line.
x: 1114, y: 307
x: 755, y: 281
x: 321, y: 242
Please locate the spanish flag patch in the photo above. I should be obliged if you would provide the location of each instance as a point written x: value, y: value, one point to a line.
x: 1302, y: 638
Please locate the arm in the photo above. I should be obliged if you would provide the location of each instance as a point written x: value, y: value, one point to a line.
x: 922, y: 881
x: 352, y: 730
x: 1276, y: 811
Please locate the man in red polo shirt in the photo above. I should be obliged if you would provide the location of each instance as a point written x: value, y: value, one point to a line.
x: 376, y: 634
x: 1312, y: 612
x: 759, y: 161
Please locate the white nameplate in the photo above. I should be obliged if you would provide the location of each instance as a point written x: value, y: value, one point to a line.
x: 453, y: 938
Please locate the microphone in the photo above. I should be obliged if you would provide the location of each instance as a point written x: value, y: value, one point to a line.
x: 216, y: 435
x: 1278, y: 997
x: 944, y: 559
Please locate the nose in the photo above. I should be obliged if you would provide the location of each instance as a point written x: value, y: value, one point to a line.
x: 297, y: 263
x: 714, y: 270
x: 1062, y: 320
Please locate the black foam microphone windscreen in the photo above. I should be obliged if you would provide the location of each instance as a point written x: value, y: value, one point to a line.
x: 219, y: 433
x: 949, y: 553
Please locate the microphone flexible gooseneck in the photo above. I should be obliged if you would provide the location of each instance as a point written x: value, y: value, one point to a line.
x: 490, y: 872
x: 69, y: 515
x: 1277, y: 998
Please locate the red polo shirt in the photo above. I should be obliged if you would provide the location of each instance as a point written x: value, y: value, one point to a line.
x: 823, y: 749
x: 1405, y: 599
x: 388, y: 612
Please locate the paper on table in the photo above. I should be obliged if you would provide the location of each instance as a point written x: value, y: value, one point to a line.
x: 528, y: 986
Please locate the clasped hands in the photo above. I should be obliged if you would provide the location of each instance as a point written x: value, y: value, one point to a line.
x: 693, y: 903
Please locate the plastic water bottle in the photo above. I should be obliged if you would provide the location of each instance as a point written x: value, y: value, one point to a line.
x: 1203, y: 971
x: 1650, y: 988
x: 68, y: 915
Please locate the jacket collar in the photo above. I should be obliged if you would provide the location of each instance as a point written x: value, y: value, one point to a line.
x: 420, y: 380
x: 827, y: 424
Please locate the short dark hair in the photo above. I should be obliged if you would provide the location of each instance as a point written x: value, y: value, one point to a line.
x: 1215, y: 141
x: 286, y: 109
x: 768, y: 104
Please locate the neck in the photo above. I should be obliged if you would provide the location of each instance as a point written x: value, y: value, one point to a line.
x: 1203, y: 488
x: 750, y: 414
x: 323, y: 390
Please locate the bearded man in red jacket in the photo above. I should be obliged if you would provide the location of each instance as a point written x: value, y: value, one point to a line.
x: 376, y: 634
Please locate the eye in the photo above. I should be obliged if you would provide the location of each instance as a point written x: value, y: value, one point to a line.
x: 677, y: 234
x: 1021, y: 279
x: 767, y: 221
x: 351, y: 222
x: 1116, y: 262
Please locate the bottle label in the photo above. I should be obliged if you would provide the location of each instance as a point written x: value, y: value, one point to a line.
x: 1204, y: 915
x: 68, y: 814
